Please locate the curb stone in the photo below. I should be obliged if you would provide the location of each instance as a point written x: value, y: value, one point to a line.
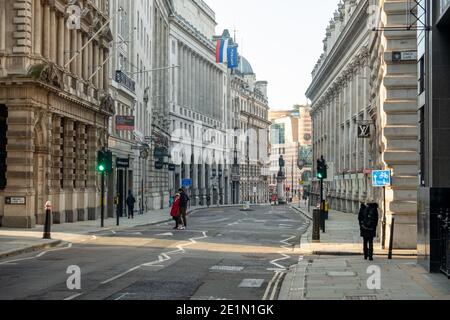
x: 28, y: 249
x: 54, y: 243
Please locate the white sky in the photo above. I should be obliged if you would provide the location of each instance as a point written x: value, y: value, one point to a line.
x: 282, y: 39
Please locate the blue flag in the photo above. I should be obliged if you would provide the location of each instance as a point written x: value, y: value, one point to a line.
x: 233, y: 57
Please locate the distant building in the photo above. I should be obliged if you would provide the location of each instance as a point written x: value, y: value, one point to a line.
x: 291, y: 138
x: 250, y: 107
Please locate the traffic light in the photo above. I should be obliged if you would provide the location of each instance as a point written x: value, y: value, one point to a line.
x: 322, y: 173
x: 104, y: 161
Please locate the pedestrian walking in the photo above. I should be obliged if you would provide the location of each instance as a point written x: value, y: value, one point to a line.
x: 184, y: 200
x: 368, y: 222
x: 130, y: 204
x: 175, y: 212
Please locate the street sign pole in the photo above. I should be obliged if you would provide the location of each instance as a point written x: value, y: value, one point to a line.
x: 383, y: 240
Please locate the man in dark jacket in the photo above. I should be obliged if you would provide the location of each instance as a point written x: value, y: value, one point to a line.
x: 130, y: 204
x: 184, y: 200
x: 368, y: 222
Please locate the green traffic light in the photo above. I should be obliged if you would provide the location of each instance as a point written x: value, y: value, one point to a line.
x: 101, y: 168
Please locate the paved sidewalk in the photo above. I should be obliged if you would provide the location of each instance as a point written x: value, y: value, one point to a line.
x: 18, y: 241
x: 341, y: 237
x: 346, y: 278
x: 334, y: 269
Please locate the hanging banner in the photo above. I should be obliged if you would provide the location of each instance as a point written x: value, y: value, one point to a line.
x: 233, y: 60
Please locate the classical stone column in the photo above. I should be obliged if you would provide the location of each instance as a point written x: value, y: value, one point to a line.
x: 85, y: 73
x: 46, y: 32
x: 73, y: 51
x: 67, y: 44
x: 37, y: 34
x: 80, y: 55
x: 53, y: 36
x: 99, y: 70
x: 95, y: 64
x: 106, y: 74
x: 92, y: 178
x: 90, y: 49
x: 81, y: 171
x: 195, y: 184
x: 61, y: 42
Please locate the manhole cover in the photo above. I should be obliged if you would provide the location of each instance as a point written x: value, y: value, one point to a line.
x: 362, y: 297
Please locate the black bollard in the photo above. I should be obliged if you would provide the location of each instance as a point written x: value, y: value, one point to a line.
x: 391, y: 240
x: 48, y: 221
x: 316, y: 225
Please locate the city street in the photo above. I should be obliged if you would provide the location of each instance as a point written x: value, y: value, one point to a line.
x: 224, y: 254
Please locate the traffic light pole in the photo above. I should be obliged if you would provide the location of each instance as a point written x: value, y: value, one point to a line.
x: 103, y: 200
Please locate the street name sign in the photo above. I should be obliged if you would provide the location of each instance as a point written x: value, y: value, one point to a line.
x: 187, y: 182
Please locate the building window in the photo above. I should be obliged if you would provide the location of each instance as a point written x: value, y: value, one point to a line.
x: 3, y: 143
x: 422, y: 75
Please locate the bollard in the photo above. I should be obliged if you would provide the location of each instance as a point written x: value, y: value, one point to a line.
x: 391, y: 240
x: 322, y: 220
x: 48, y: 221
x: 316, y: 225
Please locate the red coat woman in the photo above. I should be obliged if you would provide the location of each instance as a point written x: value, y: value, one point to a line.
x: 175, y: 211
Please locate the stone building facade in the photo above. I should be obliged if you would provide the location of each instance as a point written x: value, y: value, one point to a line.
x: 157, y: 183
x: 123, y: 91
x: 250, y: 109
x: 198, y: 106
x: 357, y: 82
x: 291, y: 138
x: 55, y: 110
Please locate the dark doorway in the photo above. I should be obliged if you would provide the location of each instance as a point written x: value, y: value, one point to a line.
x: 121, y: 193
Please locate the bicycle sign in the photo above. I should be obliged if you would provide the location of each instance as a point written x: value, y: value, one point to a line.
x: 381, y: 178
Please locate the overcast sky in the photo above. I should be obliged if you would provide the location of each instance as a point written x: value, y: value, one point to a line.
x: 282, y: 39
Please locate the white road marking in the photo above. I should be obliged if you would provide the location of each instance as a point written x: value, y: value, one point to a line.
x: 275, y: 287
x: 37, y: 256
x: 161, y: 258
x: 122, y: 296
x: 286, y: 248
x: 121, y: 275
x: 251, y: 283
x: 73, y: 297
x: 266, y: 293
x: 227, y: 268
x: 168, y: 234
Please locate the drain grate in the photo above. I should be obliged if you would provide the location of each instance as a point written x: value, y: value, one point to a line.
x: 362, y: 297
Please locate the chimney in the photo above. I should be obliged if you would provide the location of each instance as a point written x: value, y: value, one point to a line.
x: 262, y: 87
